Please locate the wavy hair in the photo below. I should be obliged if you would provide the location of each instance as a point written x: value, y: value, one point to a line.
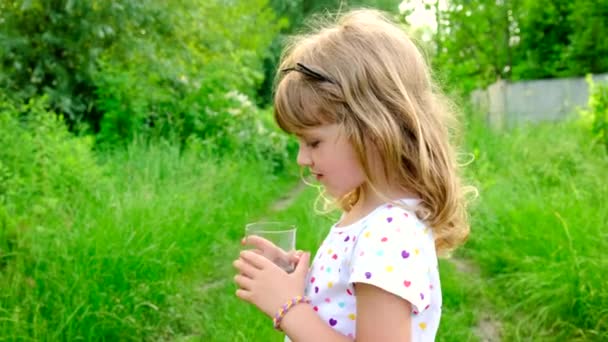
x: 364, y: 73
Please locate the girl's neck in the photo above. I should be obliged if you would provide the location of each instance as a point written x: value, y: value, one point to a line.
x: 369, y: 200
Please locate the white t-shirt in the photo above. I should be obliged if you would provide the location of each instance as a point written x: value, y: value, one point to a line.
x: 389, y: 248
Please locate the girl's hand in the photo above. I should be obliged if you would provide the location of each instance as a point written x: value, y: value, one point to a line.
x: 272, y: 252
x: 262, y: 283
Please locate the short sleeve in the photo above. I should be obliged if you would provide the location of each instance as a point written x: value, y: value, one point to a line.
x: 391, y: 252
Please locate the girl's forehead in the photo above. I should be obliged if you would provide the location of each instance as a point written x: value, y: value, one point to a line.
x: 322, y: 128
x: 319, y: 130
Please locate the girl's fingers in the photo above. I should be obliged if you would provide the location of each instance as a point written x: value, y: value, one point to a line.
x: 254, y: 259
x: 244, y: 267
x: 243, y: 294
x: 258, y: 242
x: 243, y: 282
x: 294, y: 256
x: 258, y: 251
x: 263, y: 246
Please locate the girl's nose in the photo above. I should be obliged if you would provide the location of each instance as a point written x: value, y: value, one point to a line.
x: 303, y: 156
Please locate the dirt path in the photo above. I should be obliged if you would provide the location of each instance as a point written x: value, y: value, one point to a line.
x: 488, y: 327
x: 286, y: 200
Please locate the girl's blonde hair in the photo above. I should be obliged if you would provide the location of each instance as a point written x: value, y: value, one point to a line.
x: 365, y: 74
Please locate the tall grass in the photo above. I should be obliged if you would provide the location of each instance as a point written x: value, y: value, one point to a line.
x: 109, y: 264
x: 540, y: 229
x: 130, y: 255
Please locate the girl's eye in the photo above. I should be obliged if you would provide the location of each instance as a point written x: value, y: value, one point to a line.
x: 313, y: 144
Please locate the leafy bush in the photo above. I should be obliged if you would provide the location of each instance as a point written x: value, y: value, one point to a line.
x: 203, y: 87
x: 44, y: 172
x: 52, y: 47
x: 596, y: 115
x: 129, y: 66
x: 40, y: 159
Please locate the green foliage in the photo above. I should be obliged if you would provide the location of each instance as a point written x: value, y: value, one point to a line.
x: 561, y: 39
x: 211, y: 118
x: 104, y: 253
x: 40, y: 160
x: 138, y: 68
x: 52, y: 47
x: 537, y: 230
x: 297, y: 11
x: 45, y: 174
x: 544, y: 31
x: 596, y: 115
x: 480, y: 41
x: 473, y: 42
x: 202, y: 87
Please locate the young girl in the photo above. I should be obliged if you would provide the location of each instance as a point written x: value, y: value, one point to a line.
x: 374, y: 132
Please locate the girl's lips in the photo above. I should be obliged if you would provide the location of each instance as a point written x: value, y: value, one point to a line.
x: 318, y: 176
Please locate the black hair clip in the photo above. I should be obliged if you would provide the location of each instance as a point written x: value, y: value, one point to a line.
x: 311, y: 73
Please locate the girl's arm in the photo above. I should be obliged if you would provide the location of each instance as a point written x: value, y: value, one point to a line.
x: 381, y: 316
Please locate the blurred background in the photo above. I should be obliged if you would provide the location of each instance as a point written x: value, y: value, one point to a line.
x: 137, y: 140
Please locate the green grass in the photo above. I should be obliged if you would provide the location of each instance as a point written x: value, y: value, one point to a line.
x: 462, y: 299
x: 111, y: 265
x: 539, y: 230
x: 131, y: 258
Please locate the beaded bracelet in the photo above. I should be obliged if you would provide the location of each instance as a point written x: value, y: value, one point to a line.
x: 278, y: 317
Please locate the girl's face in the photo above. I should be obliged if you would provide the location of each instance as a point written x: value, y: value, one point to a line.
x: 329, y: 155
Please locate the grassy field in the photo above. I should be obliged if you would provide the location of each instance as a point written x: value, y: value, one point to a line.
x: 540, y: 230
x: 112, y: 264
x: 147, y: 254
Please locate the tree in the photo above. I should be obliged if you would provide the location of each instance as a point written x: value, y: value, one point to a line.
x: 484, y: 40
x: 52, y: 46
x: 129, y: 64
x: 476, y: 40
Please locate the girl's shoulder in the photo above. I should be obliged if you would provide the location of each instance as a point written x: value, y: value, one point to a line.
x: 397, y: 218
x: 403, y: 211
x: 401, y: 214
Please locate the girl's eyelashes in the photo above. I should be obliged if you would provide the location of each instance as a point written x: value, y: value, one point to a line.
x: 309, y: 142
x: 313, y: 144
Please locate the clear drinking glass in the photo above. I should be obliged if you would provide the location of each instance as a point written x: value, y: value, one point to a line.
x: 274, y: 240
